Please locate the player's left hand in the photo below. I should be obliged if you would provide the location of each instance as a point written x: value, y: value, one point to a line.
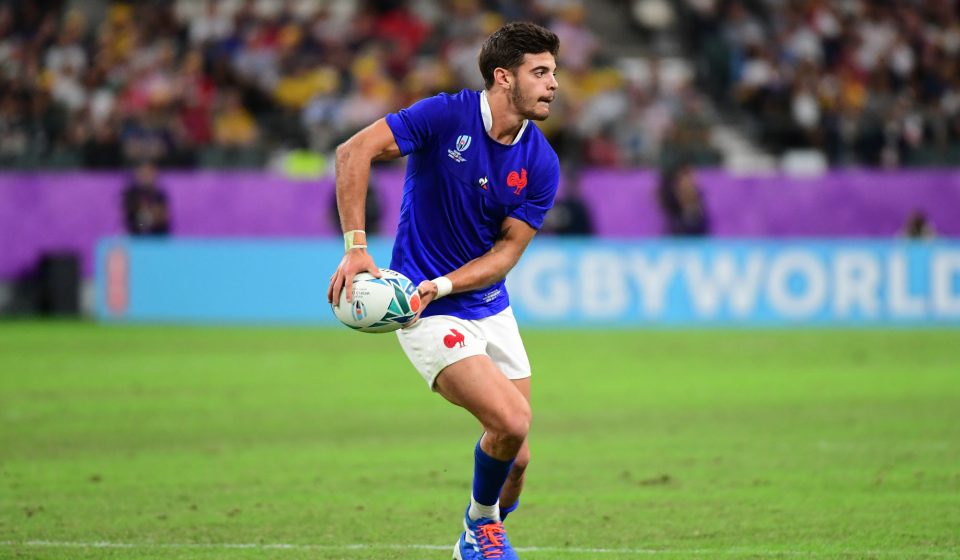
x: 354, y: 262
x: 428, y: 292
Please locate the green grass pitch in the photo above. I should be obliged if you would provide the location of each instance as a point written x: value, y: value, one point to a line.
x: 216, y: 443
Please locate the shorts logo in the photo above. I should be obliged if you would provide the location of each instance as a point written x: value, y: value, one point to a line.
x: 517, y: 180
x: 454, y: 339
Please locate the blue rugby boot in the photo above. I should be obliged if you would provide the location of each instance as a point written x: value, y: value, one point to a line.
x: 483, y: 539
x: 463, y: 550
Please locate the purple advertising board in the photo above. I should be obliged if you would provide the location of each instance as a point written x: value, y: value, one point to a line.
x: 70, y: 211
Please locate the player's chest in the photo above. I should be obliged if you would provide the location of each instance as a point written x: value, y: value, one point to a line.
x: 486, y: 171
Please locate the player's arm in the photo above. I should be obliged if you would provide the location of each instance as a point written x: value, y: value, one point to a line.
x: 374, y: 143
x: 493, y: 266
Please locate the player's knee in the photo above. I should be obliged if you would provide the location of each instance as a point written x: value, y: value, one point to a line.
x: 517, y: 425
x: 511, y: 426
x: 516, y: 430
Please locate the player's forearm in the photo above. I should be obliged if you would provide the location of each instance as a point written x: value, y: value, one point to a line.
x: 374, y: 143
x: 483, y: 271
x: 353, y: 175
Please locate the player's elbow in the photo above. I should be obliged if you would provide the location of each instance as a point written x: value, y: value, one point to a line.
x: 345, y: 151
x: 499, y: 270
x: 354, y: 149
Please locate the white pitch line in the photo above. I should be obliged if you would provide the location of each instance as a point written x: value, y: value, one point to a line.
x: 529, y: 549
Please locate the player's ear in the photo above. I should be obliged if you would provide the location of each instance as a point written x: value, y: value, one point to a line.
x: 503, y: 77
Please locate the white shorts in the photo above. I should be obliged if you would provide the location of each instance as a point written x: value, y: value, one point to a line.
x: 435, y: 342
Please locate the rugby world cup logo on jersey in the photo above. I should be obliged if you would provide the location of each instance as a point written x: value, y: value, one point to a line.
x: 462, y: 144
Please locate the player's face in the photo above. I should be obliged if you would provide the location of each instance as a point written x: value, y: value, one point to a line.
x: 536, y: 86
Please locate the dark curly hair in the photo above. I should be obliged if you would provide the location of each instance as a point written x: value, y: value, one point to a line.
x: 506, y: 46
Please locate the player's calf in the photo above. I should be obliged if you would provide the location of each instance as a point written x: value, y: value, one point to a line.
x: 510, y: 494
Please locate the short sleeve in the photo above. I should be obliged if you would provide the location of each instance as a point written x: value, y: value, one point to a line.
x: 414, y: 127
x: 541, y: 195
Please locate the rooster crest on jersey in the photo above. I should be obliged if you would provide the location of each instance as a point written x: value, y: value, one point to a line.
x: 517, y: 180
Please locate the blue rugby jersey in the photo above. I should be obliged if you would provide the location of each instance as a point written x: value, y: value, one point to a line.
x: 460, y: 185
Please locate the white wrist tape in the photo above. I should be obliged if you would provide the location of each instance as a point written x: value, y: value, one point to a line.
x: 348, y: 240
x: 444, y: 286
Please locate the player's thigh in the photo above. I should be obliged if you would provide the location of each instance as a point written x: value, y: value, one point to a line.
x: 504, y: 344
x: 475, y: 383
x: 433, y: 343
x: 522, y: 385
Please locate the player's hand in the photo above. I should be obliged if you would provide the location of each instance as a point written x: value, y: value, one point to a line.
x: 428, y: 292
x: 353, y: 262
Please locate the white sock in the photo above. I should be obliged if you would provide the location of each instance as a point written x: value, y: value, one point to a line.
x: 478, y: 510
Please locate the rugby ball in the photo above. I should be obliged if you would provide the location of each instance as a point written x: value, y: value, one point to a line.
x: 379, y: 304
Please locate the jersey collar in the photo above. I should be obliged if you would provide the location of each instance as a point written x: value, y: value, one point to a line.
x: 487, y: 116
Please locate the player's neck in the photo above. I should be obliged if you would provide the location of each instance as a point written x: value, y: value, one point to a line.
x: 506, y: 121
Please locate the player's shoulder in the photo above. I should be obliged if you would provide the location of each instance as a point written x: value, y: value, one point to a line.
x: 444, y: 111
x: 545, y: 155
x: 455, y: 102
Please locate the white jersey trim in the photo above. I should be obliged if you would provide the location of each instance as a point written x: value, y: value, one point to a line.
x: 487, y: 116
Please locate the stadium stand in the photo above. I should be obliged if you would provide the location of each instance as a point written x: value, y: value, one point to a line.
x: 874, y: 83
x: 232, y: 83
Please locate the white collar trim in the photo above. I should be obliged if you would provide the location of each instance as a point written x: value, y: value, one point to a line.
x: 487, y: 116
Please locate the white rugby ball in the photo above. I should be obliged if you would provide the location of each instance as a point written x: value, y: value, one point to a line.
x: 379, y: 304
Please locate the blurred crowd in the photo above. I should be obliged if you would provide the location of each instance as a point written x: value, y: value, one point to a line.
x: 221, y: 83
x: 869, y: 82
x: 232, y: 82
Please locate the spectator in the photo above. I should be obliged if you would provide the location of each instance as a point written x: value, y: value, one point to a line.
x: 152, y: 76
x: 234, y: 126
x: 102, y: 149
x: 578, y: 44
x: 151, y: 136
x: 681, y: 202
x: 211, y: 26
x: 145, y: 206
x: 14, y: 133
x: 569, y: 215
x: 918, y: 226
x: 865, y: 82
x: 195, y: 104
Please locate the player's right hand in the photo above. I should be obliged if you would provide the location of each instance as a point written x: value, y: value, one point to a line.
x: 428, y: 292
x: 353, y: 262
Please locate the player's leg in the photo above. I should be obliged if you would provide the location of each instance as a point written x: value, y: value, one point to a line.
x: 510, y: 495
x: 497, y: 403
x: 505, y: 347
x: 452, y: 356
x: 475, y: 383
